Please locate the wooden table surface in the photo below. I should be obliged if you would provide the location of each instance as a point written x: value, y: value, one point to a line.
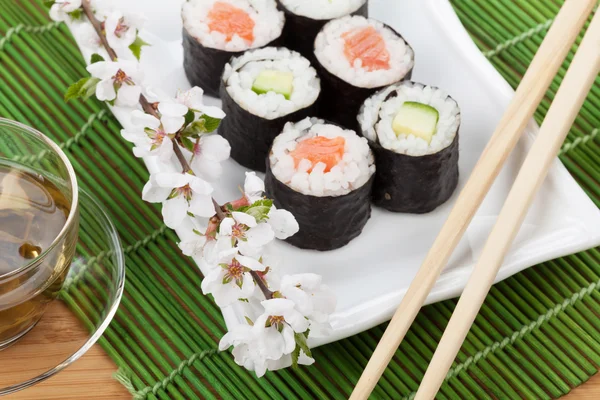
x: 91, y: 376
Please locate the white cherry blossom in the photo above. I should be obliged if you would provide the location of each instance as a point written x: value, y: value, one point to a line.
x: 61, y: 8
x: 230, y: 280
x: 193, y: 99
x: 254, y: 187
x: 283, y: 222
x: 312, y: 298
x: 180, y: 193
x: 209, y: 153
x: 119, y: 81
x: 250, y: 235
x: 249, y: 351
x: 277, y: 326
x: 121, y: 30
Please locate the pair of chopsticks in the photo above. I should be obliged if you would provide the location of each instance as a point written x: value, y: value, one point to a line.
x: 561, y: 115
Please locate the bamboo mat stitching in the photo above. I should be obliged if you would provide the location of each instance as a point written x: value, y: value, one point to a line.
x: 122, y: 376
x: 14, y: 31
x: 519, y: 38
x: 336, y: 379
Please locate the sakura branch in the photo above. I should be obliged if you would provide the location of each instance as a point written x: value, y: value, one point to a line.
x: 230, y: 242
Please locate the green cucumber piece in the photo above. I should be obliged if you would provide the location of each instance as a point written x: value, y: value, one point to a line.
x: 416, y: 119
x: 274, y: 81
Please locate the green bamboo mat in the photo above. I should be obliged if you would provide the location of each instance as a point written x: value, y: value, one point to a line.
x: 537, y: 335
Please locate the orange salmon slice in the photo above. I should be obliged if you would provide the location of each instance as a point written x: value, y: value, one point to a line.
x: 320, y: 149
x: 368, y: 45
x: 231, y: 20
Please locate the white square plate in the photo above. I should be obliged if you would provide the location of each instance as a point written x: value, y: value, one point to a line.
x: 372, y: 273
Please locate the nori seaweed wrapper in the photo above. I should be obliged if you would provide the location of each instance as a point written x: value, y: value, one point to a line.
x: 414, y: 184
x: 340, y: 101
x: 204, y: 65
x: 299, y: 32
x: 326, y: 223
x: 251, y: 136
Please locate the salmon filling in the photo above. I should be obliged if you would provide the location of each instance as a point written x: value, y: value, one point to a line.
x: 230, y: 20
x: 320, y: 149
x: 368, y: 45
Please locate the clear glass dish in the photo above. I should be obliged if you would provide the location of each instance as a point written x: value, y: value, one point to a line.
x: 85, y: 306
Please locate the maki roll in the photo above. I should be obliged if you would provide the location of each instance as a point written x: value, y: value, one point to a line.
x: 357, y: 56
x: 216, y: 30
x: 323, y: 175
x: 413, y: 131
x: 304, y: 19
x: 261, y: 91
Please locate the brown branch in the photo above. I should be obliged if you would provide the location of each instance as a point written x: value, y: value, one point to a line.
x: 149, y: 109
x: 87, y: 10
x: 261, y: 284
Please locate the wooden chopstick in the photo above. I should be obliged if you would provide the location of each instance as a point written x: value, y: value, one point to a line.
x: 562, y: 113
x: 530, y: 92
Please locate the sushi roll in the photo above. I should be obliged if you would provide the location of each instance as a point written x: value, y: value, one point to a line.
x: 216, y: 30
x: 323, y: 175
x: 356, y: 57
x: 261, y: 91
x: 304, y: 19
x: 413, y: 131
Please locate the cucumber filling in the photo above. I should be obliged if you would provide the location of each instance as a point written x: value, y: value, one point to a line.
x: 274, y: 81
x: 416, y: 119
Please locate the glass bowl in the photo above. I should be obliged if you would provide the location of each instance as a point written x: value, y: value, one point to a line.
x: 85, y: 306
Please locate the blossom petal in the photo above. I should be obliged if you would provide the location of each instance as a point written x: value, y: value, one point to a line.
x: 283, y: 223
x: 154, y: 193
x: 165, y: 150
x: 201, y: 205
x: 171, y: 109
x: 244, y: 218
x: 174, y: 211
x: 296, y: 320
x: 171, y: 179
x: 253, y: 186
x: 207, y: 168
x: 104, y: 70
x: 288, y: 338
x: 226, y: 225
x: 214, y: 112
x: 105, y: 90
x: 200, y: 186
x: 215, y: 147
x: 251, y: 263
x: 227, y: 294
x: 128, y: 95
x: 260, y: 235
x: 143, y: 120
x: 277, y: 306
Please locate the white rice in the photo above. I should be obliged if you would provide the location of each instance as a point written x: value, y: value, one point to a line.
x: 329, y: 50
x: 377, y: 114
x: 268, y: 23
x: 352, y: 172
x: 241, y: 72
x: 322, y: 9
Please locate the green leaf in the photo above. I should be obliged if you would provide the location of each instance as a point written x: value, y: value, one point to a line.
x: 136, y: 47
x: 210, y: 123
x: 260, y: 209
x: 187, y: 143
x: 295, y: 356
x: 73, y: 92
x: 89, y: 88
x: 83, y: 88
x: 189, y: 117
x: 96, y: 58
x: 76, y: 14
x: 301, y: 342
x: 49, y: 3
